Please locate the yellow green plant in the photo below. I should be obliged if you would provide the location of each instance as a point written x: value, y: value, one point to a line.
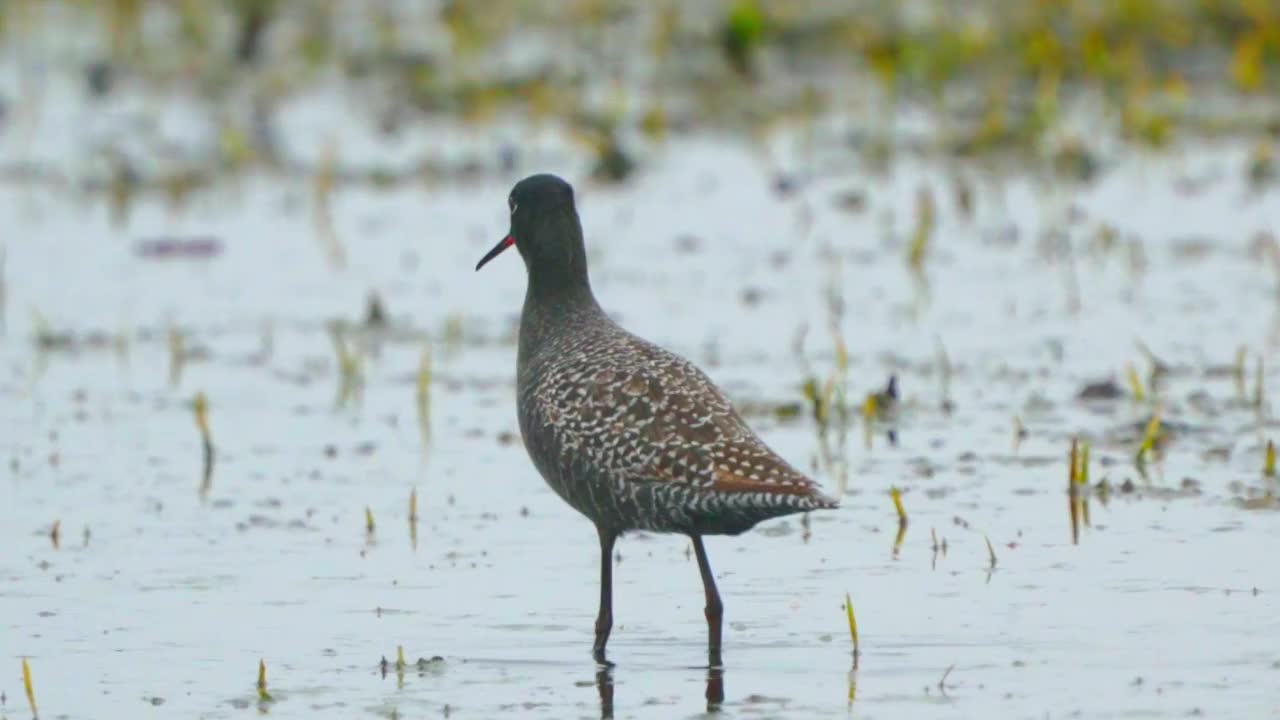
x: 853, y: 624
x: 26, y: 687
x: 263, y: 695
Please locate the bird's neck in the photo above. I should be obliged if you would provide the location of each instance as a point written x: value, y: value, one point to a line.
x: 560, y: 303
x: 559, y: 306
x: 560, y: 285
x: 554, y: 317
x: 558, y: 281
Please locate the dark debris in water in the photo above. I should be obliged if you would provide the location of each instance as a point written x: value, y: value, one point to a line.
x: 1101, y: 390
x: 422, y: 666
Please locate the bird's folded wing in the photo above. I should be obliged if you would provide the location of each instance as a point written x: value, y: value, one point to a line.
x: 644, y: 413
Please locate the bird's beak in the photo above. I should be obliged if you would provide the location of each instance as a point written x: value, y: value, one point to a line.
x: 503, y: 244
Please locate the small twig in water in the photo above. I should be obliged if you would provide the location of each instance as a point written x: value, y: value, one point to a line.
x: 942, y: 683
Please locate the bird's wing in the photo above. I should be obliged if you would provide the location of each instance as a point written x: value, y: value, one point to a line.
x: 642, y: 413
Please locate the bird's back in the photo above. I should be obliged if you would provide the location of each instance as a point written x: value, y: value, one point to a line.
x: 636, y: 437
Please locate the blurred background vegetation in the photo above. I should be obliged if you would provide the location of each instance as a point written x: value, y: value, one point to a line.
x: 1032, y: 81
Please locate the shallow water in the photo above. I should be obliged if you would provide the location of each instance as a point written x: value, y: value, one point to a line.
x: 160, y: 602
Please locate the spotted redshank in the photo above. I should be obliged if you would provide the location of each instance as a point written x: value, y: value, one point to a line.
x: 632, y: 436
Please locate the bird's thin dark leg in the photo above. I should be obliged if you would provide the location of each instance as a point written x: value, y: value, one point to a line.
x: 604, y: 621
x: 715, y: 609
x: 715, y: 688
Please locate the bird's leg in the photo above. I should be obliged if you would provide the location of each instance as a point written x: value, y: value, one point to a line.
x: 715, y: 609
x: 715, y: 688
x: 604, y: 621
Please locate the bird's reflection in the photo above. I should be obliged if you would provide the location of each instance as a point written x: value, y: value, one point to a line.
x: 604, y: 684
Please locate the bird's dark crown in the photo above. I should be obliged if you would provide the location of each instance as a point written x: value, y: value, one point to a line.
x: 545, y: 191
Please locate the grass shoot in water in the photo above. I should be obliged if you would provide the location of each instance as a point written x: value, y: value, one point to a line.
x: 870, y: 408
x: 936, y: 547
x: 422, y: 394
x: 1082, y: 482
x: 263, y: 695
x: 177, y: 356
x: 918, y: 248
x: 200, y: 409
x: 1019, y: 433
x: 853, y: 627
x: 350, y: 379
x: 26, y: 687
x: 896, y: 496
x: 1135, y: 384
x: 413, y: 518
x: 1150, y: 435
x: 400, y: 666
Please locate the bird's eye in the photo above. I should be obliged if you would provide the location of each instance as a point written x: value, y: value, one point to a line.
x: 511, y: 203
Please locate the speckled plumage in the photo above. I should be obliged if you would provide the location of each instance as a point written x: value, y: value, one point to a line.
x: 635, y: 437
x: 632, y: 436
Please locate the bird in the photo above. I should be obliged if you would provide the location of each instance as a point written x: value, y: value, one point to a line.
x: 632, y: 436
